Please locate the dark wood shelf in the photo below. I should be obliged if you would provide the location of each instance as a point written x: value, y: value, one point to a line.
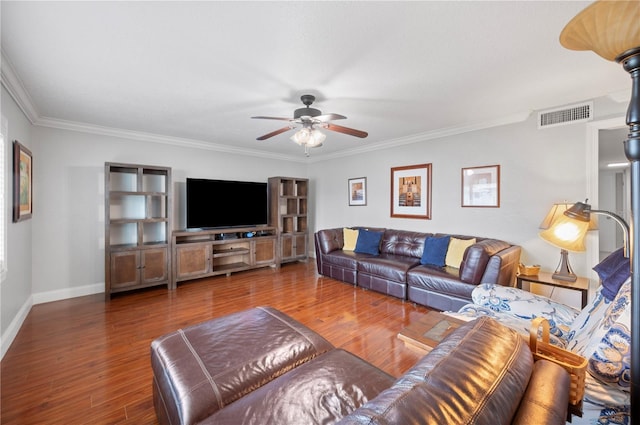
x: 137, y: 251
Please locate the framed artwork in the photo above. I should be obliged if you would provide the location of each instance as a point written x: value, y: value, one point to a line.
x: 481, y: 186
x: 411, y: 191
x: 22, y: 182
x: 358, y: 191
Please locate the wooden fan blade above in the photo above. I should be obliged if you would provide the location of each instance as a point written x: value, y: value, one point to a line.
x: 275, y: 133
x: 273, y: 118
x: 329, y: 117
x: 347, y: 130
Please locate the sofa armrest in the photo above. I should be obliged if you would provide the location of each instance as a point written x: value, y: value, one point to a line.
x: 503, y: 266
x: 546, y: 399
x: 523, y: 304
x: 476, y: 258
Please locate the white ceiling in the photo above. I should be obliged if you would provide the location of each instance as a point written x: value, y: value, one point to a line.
x: 197, y: 71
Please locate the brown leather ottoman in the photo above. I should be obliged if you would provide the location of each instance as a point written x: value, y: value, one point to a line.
x: 200, y: 369
x: 321, y: 391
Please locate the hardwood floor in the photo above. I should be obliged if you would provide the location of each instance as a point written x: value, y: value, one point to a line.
x: 84, y: 360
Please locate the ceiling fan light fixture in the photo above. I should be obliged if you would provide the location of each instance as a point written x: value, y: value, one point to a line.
x: 301, y: 137
x: 311, y: 120
x: 310, y: 137
x: 317, y: 137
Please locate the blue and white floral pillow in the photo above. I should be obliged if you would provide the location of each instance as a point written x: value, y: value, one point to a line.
x: 611, y: 359
x: 525, y: 305
x: 594, y: 321
x: 604, y: 340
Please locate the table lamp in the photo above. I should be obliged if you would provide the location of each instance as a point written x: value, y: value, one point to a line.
x: 565, y: 233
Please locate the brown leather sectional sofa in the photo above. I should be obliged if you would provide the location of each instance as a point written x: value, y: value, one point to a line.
x: 262, y: 367
x: 397, y: 270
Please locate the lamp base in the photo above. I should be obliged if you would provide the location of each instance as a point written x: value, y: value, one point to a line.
x: 564, y: 271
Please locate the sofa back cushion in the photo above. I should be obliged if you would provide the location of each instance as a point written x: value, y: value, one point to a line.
x: 402, y: 242
x: 476, y: 257
x: 329, y: 240
x: 477, y: 375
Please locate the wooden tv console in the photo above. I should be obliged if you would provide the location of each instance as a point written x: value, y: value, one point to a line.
x: 203, y: 253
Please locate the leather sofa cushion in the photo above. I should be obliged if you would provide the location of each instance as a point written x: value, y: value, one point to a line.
x: 321, y: 391
x: 442, y: 280
x: 345, y: 259
x: 480, y: 373
x: 402, y: 242
x: 200, y: 369
x: 388, y: 266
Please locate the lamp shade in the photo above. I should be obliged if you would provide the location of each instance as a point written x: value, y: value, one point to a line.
x: 566, y: 233
x: 558, y: 210
x: 608, y: 27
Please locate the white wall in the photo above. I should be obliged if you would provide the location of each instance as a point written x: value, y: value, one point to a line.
x: 68, y: 223
x: 16, y: 290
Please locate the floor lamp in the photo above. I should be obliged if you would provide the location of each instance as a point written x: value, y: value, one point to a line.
x: 612, y: 30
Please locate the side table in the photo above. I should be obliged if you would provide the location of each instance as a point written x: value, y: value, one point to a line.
x: 544, y: 278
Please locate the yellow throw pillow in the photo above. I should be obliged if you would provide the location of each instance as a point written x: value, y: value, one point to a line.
x: 350, y: 239
x: 456, y: 251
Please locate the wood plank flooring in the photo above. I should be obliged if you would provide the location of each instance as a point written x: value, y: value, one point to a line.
x: 86, y: 361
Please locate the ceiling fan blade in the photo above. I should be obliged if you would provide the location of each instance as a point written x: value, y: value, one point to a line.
x: 347, y: 130
x: 329, y: 117
x: 273, y: 118
x: 275, y: 133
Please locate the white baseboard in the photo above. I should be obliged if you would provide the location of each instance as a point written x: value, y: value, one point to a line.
x: 12, y: 331
x: 66, y: 293
x: 43, y: 297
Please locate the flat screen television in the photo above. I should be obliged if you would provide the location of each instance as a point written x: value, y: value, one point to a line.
x: 225, y: 203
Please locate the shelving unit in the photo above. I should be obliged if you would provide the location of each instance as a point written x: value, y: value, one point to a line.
x: 288, y: 206
x: 203, y: 253
x: 137, y: 226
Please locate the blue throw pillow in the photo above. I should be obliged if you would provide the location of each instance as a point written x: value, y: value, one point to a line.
x: 611, y: 285
x: 613, y: 271
x: 368, y: 242
x: 435, y: 251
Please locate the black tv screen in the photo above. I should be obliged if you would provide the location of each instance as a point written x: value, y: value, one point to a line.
x: 225, y: 203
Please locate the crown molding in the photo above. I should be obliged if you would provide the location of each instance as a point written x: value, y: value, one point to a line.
x: 15, y: 87
x: 157, y: 138
x: 428, y: 135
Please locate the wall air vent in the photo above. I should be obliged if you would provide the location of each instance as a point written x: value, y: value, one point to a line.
x: 571, y: 114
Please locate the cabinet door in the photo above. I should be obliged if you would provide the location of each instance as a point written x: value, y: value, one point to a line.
x: 301, y: 246
x: 125, y: 269
x: 193, y: 260
x: 293, y: 247
x: 154, y: 265
x: 265, y: 251
x: 286, y: 247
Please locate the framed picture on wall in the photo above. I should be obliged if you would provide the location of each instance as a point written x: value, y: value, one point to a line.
x: 481, y: 186
x: 411, y: 191
x: 22, y: 182
x: 358, y: 191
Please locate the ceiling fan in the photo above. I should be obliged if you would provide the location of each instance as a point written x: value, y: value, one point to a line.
x: 311, y: 120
